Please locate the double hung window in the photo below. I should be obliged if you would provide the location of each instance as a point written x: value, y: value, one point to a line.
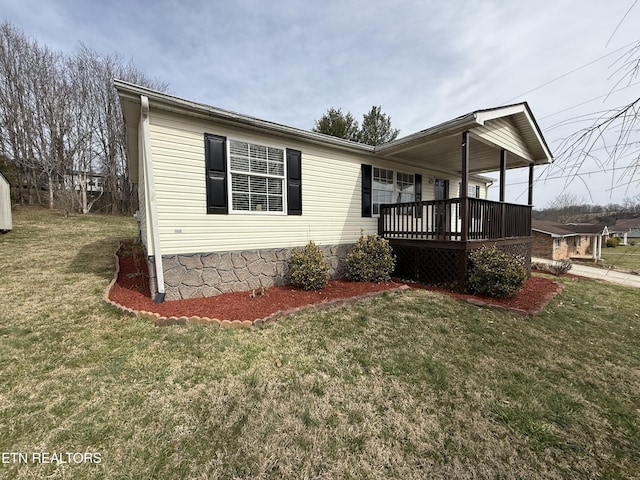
x: 391, y: 187
x: 257, y: 177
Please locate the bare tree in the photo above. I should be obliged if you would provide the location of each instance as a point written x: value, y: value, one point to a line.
x: 611, y: 136
x: 16, y: 128
x: 566, y: 208
x: 61, y: 124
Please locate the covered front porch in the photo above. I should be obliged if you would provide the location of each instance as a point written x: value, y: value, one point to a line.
x: 432, y: 238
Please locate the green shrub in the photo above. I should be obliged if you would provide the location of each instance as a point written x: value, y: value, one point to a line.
x: 308, y: 269
x: 556, y: 268
x: 496, y: 273
x: 370, y: 260
x: 613, y: 242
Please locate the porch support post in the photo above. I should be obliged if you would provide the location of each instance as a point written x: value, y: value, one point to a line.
x: 503, y: 173
x: 531, y: 185
x: 503, y: 179
x: 464, y: 188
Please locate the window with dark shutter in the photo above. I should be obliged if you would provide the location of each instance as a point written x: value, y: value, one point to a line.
x: 215, y: 148
x: 257, y: 177
x: 294, y: 182
x: 367, y: 181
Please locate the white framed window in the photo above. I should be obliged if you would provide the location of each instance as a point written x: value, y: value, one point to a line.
x: 257, y: 177
x: 405, y: 187
x: 391, y: 187
x: 473, y: 191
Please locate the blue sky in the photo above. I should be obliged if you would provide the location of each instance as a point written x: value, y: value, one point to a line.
x: 424, y: 61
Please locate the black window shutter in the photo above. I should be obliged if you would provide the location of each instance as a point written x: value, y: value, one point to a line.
x: 367, y: 184
x: 418, y: 187
x: 215, y: 151
x: 477, y: 191
x: 418, y: 193
x: 294, y: 182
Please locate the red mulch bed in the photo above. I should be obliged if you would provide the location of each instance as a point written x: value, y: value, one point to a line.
x: 531, y: 299
x: 239, y: 306
x: 132, y: 290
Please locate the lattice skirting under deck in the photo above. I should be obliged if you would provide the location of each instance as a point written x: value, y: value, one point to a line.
x: 447, y: 267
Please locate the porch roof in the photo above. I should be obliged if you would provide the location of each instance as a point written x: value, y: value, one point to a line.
x: 512, y: 128
x: 567, y: 230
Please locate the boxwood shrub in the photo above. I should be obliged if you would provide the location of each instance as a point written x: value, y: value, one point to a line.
x: 370, y: 260
x: 308, y: 268
x: 496, y: 273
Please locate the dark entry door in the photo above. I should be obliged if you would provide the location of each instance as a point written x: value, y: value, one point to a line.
x: 440, y: 192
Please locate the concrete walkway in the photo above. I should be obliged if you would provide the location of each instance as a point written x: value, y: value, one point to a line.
x: 612, y: 276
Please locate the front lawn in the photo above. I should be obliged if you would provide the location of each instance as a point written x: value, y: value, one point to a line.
x: 416, y: 385
x: 622, y: 257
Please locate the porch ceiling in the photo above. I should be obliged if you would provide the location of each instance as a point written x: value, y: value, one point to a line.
x: 510, y: 128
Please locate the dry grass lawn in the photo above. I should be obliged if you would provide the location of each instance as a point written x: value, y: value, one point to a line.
x: 408, y: 386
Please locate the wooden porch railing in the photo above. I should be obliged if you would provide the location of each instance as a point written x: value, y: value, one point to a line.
x: 443, y: 220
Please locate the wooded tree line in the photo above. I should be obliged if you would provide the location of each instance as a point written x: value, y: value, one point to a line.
x: 569, y: 208
x: 62, y: 138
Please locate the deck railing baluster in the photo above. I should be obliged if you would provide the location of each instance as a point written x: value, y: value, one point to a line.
x: 440, y: 220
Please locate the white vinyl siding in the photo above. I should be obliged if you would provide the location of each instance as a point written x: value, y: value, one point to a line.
x: 503, y: 132
x: 331, y: 193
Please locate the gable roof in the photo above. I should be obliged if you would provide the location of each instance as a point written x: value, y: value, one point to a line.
x: 625, y: 225
x: 551, y: 228
x: 567, y: 230
x: 511, y: 127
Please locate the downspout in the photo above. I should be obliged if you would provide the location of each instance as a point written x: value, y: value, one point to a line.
x: 152, y: 211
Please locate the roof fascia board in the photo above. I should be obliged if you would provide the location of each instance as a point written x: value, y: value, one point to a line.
x: 483, y: 116
x: 555, y: 235
x: 446, y: 129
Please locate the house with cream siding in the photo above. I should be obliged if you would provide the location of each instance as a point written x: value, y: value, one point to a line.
x: 627, y: 230
x: 225, y: 197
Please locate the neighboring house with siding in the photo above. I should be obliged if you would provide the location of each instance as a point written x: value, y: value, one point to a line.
x: 558, y: 241
x: 6, y: 222
x: 225, y: 197
x: 626, y: 230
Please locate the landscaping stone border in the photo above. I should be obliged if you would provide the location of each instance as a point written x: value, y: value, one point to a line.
x: 160, y: 321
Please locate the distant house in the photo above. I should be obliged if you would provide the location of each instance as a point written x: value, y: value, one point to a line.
x: 626, y: 230
x: 558, y: 241
x: 224, y: 197
x: 6, y: 223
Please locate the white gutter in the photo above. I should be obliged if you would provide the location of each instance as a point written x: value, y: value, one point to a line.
x: 150, y: 196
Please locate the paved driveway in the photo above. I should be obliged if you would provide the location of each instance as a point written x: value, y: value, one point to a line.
x: 600, y: 274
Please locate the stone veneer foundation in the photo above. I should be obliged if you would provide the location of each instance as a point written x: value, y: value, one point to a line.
x: 208, y: 274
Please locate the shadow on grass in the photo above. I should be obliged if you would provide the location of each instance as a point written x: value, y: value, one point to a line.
x: 96, y: 258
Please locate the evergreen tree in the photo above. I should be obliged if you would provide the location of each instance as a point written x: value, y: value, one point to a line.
x: 337, y: 124
x: 376, y: 128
